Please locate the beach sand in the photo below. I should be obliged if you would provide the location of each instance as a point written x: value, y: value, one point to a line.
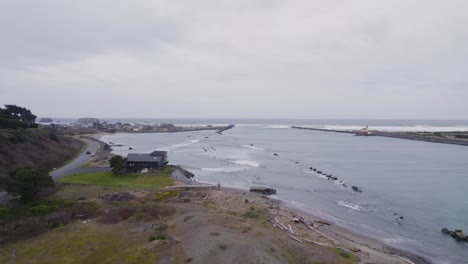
x: 258, y: 228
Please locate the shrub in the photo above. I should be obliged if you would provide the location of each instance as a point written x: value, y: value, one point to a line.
x: 166, y: 195
x: 117, y: 215
x: 161, y: 237
x: 5, y: 212
x: 42, y: 209
x: 58, y: 219
x: 250, y: 214
x: 28, y: 182
x: 222, y: 246
x: 126, y: 212
x: 157, y: 237
x: 118, y: 165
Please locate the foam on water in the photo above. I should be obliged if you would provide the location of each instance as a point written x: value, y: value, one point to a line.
x: 247, y: 162
x: 352, y: 206
x: 398, y: 240
x: 225, y: 169
x: 184, y: 144
x: 252, y: 147
x: 279, y: 126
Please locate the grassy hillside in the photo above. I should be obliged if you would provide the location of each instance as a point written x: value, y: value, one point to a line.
x: 34, y: 147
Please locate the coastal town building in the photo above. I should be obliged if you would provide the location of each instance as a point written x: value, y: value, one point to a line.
x: 141, y: 162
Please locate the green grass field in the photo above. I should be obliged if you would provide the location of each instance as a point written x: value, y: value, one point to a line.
x: 82, y: 243
x: 137, y: 181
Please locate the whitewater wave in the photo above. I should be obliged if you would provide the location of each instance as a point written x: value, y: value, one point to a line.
x: 184, y: 144
x: 352, y: 206
x: 247, y: 162
x: 225, y: 169
x: 398, y: 240
x: 252, y: 147
x: 278, y: 126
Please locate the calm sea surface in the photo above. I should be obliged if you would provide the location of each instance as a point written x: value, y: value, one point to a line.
x: 425, y: 183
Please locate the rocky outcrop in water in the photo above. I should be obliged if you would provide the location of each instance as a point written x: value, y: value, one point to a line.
x: 456, y: 234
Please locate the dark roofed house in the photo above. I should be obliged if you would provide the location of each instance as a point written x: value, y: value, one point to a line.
x: 137, y: 162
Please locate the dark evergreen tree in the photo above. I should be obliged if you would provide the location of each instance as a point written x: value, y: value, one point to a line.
x: 118, y: 165
x: 28, y: 182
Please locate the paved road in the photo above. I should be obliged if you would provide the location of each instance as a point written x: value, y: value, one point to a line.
x: 78, y: 161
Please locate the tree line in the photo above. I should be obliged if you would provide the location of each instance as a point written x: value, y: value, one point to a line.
x: 13, y: 116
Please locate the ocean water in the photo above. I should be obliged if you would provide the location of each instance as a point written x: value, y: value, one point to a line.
x: 425, y: 183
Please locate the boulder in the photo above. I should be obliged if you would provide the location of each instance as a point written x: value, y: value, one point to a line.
x: 457, y: 234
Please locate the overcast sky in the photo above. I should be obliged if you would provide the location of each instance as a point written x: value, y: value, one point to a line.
x: 249, y: 59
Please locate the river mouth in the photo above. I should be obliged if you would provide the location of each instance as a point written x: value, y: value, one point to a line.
x: 421, y: 182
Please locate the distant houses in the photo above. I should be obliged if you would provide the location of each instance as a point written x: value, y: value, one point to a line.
x: 139, y: 162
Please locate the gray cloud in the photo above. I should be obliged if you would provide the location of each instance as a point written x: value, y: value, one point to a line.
x: 285, y: 59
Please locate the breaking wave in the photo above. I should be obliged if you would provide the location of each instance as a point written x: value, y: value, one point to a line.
x: 247, y: 162
x: 352, y: 206
x: 184, y: 144
x: 232, y: 169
